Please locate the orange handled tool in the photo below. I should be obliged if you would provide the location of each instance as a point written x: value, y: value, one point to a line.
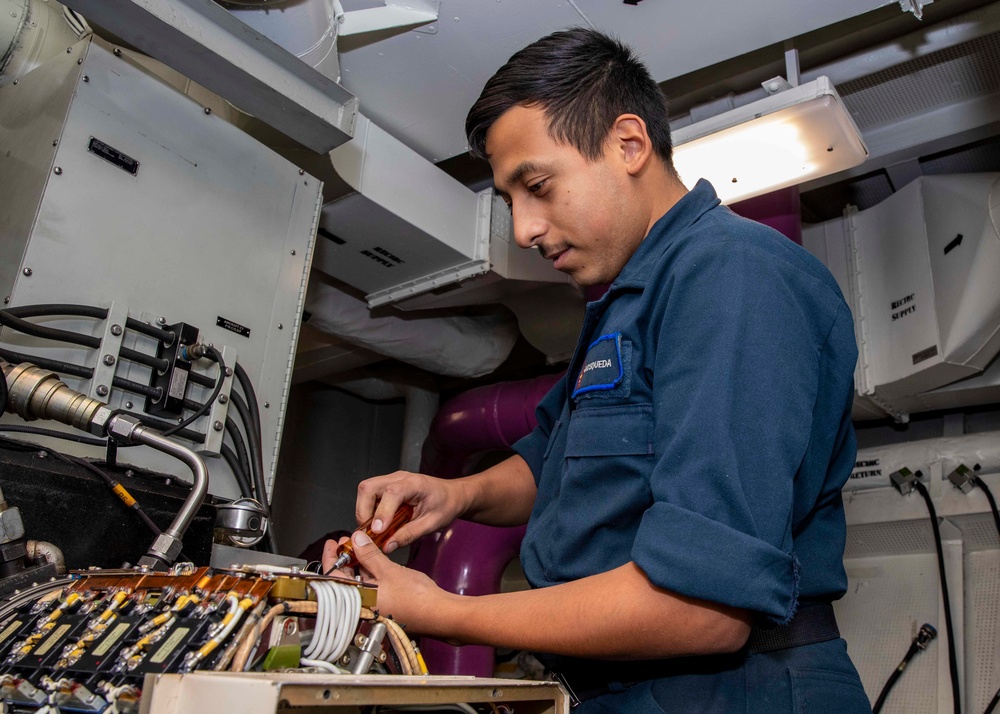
x: 345, y: 552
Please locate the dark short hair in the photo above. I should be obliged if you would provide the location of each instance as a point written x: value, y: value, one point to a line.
x: 583, y: 80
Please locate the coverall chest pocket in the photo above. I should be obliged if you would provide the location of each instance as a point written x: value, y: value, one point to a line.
x: 609, y: 457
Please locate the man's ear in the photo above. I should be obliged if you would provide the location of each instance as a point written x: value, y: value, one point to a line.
x: 631, y: 141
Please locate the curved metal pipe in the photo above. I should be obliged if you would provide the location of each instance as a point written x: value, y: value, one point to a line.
x: 199, y: 487
x: 42, y: 550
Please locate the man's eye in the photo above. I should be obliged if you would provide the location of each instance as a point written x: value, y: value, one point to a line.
x: 536, y: 187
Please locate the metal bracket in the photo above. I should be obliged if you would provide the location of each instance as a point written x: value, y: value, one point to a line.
x: 111, y: 345
x: 914, y: 6
x: 428, y: 282
x: 396, y: 13
x: 220, y: 407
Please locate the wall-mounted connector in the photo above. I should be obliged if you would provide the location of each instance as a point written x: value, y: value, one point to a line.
x: 964, y: 478
x: 924, y: 636
x: 904, y: 479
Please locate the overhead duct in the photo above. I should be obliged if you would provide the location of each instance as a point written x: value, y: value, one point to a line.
x: 920, y: 270
x: 453, y: 346
x: 31, y: 32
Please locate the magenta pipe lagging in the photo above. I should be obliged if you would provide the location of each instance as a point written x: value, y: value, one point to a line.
x: 779, y: 209
x: 468, y: 558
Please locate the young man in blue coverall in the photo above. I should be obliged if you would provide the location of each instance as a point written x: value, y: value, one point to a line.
x: 683, y: 487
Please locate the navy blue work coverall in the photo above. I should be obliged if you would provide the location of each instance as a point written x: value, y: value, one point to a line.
x: 704, y: 433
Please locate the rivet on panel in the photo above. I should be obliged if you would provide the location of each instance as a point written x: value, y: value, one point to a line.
x: 118, y: 52
x: 293, y: 252
x: 86, y: 78
x: 57, y: 170
x: 102, y: 390
x: 208, y: 110
x: 267, y: 405
x: 27, y: 272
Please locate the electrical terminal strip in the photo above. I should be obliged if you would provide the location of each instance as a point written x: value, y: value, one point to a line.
x: 85, y: 643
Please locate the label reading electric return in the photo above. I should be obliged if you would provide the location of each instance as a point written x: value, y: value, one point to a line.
x: 232, y: 326
x: 113, y: 155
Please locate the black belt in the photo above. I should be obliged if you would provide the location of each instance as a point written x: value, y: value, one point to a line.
x: 586, y: 679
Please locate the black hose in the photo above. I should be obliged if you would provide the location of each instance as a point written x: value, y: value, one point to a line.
x: 234, y: 464
x: 256, y: 470
x: 165, y: 336
x: 3, y: 392
x: 19, y: 429
x: 73, y: 370
x: 217, y: 356
x: 48, y: 333
x: 896, y: 674
x: 160, y: 365
x: 58, y: 310
x: 952, y: 658
x: 993, y: 703
x: 145, y: 390
x: 239, y: 446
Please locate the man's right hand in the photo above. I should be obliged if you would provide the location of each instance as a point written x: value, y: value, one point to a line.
x: 436, y: 503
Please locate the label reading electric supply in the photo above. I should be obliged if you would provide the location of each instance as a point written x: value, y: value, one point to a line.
x: 113, y: 155
x: 232, y: 326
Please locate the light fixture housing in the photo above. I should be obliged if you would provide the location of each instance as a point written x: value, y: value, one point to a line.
x: 786, y: 139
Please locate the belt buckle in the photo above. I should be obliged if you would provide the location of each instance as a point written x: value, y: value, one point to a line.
x: 574, y: 701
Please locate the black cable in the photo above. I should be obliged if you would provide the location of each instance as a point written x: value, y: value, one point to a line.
x: 239, y: 446
x: 144, y: 390
x: 993, y: 703
x: 201, y: 379
x: 952, y: 658
x: 3, y: 392
x: 989, y: 497
x: 253, y: 426
x: 19, y: 429
x: 217, y: 356
x: 73, y: 370
x: 234, y: 464
x: 924, y: 636
x: 256, y: 471
x: 58, y: 310
x: 163, y: 426
x: 48, y: 333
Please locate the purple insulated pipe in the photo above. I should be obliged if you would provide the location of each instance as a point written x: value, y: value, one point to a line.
x: 468, y: 558
x: 779, y: 209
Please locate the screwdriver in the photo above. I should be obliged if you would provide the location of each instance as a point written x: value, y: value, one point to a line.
x: 345, y: 552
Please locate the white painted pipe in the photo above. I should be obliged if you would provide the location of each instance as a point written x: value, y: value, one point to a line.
x: 873, y: 466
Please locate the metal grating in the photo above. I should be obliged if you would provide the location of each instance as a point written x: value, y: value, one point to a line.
x: 896, y: 538
x: 982, y: 630
x: 950, y: 75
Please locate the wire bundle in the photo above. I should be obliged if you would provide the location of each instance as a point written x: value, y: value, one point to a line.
x: 336, y: 621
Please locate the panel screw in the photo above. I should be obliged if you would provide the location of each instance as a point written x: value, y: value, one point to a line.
x: 129, y: 472
x: 69, y: 50
x: 128, y: 405
x: 102, y: 390
x: 293, y: 252
x: 55, y: 142
x: 223, y: 399
x: 161, y: 321
x: 116, y: 330
x: 80, y: 61
x: 6, y: 300
x: 27, y: 272
x: 109, y: 360
x: 280, y: 326
x: 208, y: 110
x: 218, y: 426
x: 15, y: 81
x: 118, y: 52
x: 267, y: 405
x: 229, y: 371
x: 57, y: 170
x: 302, y: 172
x: 86, y: 78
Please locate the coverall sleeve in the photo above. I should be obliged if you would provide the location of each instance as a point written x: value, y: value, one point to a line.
x: 735, y: 385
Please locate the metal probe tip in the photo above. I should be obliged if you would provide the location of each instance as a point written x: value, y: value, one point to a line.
x: 343, y: 560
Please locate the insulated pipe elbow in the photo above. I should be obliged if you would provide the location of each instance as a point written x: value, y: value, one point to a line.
x: 41, y: 550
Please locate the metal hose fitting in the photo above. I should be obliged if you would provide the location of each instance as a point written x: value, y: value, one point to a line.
x: 34, y: 393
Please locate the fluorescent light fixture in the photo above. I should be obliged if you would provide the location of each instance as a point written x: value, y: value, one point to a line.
x: 784, y: 140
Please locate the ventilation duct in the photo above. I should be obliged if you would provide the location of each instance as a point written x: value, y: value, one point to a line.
x: 920, y: 270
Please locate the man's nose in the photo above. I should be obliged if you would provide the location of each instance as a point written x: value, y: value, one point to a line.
x: 529, y: 226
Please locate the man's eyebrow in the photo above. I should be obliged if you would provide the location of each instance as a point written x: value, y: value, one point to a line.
x: 518, y: 173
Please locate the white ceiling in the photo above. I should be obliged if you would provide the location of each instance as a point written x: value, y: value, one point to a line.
x: 418, y: 83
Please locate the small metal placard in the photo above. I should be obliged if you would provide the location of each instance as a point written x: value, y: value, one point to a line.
x: 232, y: 326
x: 925, y: 354
x: 113, y: 155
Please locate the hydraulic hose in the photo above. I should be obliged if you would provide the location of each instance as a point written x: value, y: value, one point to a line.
x: 48, y: 333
